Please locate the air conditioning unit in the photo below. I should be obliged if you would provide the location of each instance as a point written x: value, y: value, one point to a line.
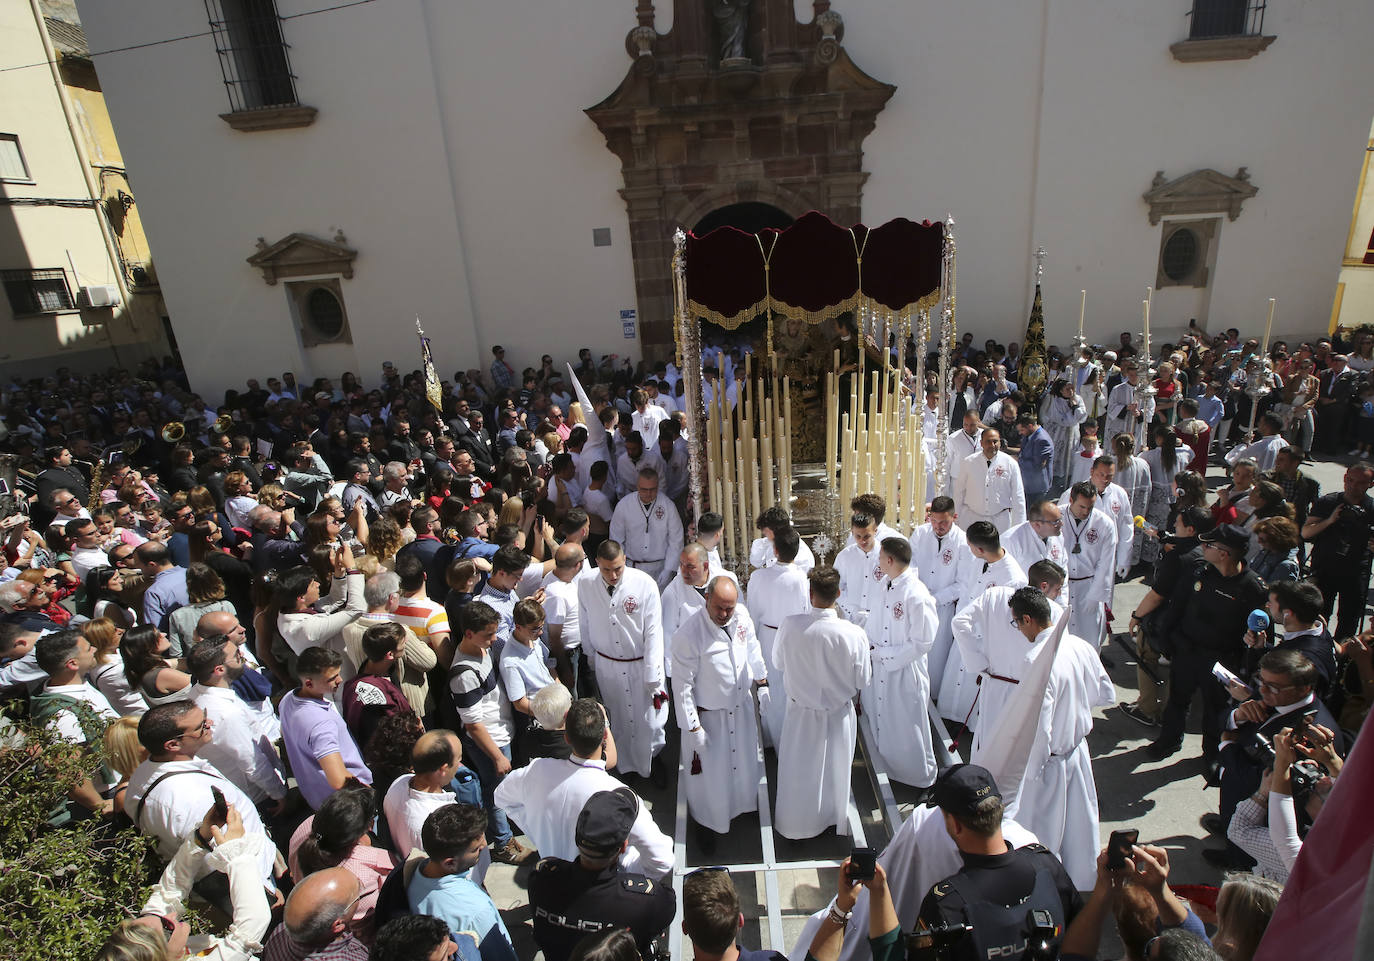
x: 101, y: 295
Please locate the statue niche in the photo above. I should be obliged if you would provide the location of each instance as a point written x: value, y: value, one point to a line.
x: 732, y: 28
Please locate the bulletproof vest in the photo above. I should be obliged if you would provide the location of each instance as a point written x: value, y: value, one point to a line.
x: 1003, y: 932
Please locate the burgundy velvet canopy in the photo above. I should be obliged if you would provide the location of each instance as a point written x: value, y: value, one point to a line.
x: 814, y: 270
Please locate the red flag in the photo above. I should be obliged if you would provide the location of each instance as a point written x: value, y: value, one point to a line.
x: 1319, y: 913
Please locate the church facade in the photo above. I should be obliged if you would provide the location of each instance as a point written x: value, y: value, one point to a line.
x: 312, y: 180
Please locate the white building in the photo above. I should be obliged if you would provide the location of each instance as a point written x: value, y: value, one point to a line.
x: 451, y: 152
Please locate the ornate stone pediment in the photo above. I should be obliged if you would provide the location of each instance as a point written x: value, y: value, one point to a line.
x: 301, y: 255
x: 1203, y: 191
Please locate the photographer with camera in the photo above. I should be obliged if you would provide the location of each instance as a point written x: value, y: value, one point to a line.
x: 1286, y: 683
x: 1008, y: 903
x: 1338, y: 528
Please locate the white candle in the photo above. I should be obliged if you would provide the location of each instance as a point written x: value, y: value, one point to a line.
x: 1082, y: 309
x: 1145, y: 304
x: 1268, y: 326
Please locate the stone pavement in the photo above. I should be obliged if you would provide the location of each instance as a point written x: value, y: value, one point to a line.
x: 1162, y: 799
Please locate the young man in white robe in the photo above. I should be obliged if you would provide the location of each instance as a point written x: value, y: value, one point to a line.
x: 1127, y: 413
x: 717, y: 663
x: 710, y: 530
x: 1040, y: 538
x: 990, y: 487
x: 861, y: 576
x: 649, y: 528
x: 989, y: 565
x: 993, y: 648
x: 620, y: 618
x: 1058, y: 797
x: 940, y: 554
x: 901, y: 633
x: 1264, y: 451
x: 1113, y: 501
x: 827, y: 664
x: 875, y: 506
x: 761, y: 554
x: 777, y: 592
x: 963, y: 444
x: 1090, y: 536
x: 632, y: 458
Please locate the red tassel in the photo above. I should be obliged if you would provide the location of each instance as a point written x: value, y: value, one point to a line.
x: 696, y: 763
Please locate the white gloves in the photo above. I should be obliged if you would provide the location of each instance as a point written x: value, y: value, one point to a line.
x: 765, y: 698
x: 696, y: 739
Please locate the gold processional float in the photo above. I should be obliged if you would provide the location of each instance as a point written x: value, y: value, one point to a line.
x: 894, y: 282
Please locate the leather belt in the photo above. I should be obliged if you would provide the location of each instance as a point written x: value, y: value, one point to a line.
x: 999, y: 677
x: 772, y: 627
x: 1087, y: 578
x: 620, y: 660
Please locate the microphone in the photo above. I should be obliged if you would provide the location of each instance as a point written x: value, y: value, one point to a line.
x: 1258, y: 621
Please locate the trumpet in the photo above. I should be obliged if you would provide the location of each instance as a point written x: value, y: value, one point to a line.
x: 173, y: 432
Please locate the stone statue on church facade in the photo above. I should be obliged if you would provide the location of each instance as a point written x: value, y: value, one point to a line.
x: 732, y: 26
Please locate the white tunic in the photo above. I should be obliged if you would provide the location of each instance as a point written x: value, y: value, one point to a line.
x: 1119, y: 418
x: 623, y: 634
x: 680, y: 601
x: 1061, y: 421
x: 761, y: 554
x: 1058, y: 798
x: 627, y: 470
x: 647, y: 424
x: 1024, y: 544
x: 882, y: 533
x: 940, y: 562
x: 990, y: 491
x: 958, y: 687
x: 714, y: 669
x: 960, y: 446
x: 827, y: 664
x: 1264, y: 451
x: 776, y: 593
x: 990, y: 646
x: 861, y: 581
x: 1116, y: 504
x: 651, y: 535
x: 901, y: 633
x: 1091, y: 544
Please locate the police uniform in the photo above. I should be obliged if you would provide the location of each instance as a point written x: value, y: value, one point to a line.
x: 572, y: 899
x: 570, y: 902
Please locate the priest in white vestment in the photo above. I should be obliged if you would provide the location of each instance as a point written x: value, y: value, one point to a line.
x: 776, y: 592
x: 1126, y: 412
x: 827, y: 664
x: 620, y: 618
x: 716, y: 664
x: 990, y: 565
x: 861, y: 576
x: 1090, y: 536
x: 1040, y: 538
x: 939, y: 552
x: 901, y: 634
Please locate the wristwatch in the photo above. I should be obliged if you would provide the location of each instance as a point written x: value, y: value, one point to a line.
x: 834, y: 913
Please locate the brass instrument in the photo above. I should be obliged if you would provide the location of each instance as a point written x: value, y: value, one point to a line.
x: 97, y: 481
x: 223, y: 422
x: 173, y: 432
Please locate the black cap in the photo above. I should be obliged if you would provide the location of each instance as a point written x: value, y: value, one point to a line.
x: 1229, y: 536
x: 605, y: 821
x: 961, y: 788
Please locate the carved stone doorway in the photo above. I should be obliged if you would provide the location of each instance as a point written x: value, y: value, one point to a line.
x: 780, y: 129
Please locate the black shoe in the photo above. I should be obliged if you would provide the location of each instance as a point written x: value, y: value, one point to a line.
x: 922, y: 795
x: 1229, y: 858
x: 1211, y: 773
x: 658, y: 773
x: 1160, y: 749
x: 1211, y: 823
x: 706, y: 839
x: 1137, y: 715
x: 1107, y: 662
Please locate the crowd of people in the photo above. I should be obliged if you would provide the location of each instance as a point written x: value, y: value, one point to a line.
x: 370, y: 641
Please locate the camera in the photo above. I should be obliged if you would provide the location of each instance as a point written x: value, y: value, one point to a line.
x: 1304, y: 774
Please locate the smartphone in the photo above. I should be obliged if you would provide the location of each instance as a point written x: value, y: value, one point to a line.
x: 861, y: 864
x: 1119, y: 847
x: 1307, y: 719
x: 221, y: 805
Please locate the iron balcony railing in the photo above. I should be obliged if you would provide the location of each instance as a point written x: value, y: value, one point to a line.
x: 1225, y: 18
x: 252, y: 54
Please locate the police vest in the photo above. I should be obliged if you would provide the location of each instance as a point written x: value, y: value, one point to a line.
x: 1030, y: 928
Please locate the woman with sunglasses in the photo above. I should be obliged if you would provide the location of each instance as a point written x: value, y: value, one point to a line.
x: 159, y: 935
x: 145, y: 652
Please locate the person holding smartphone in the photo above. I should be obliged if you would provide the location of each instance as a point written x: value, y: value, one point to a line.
x: 884, y: 931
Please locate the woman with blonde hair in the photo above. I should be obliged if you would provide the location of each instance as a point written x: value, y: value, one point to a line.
x: 512, y: 512
x: 576, y: 415
x: 384, y: 539
x: 125, y: 754
x: 1245, y: 904
x: 108, y: 674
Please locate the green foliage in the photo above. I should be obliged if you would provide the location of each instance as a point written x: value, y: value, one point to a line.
x: 62, y: 889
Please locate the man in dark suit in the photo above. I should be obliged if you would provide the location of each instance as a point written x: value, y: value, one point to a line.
x: 59, y: 474
x: 477, y: 442
x: 1336, y: 385
x: 1296, y: 606
x: 1286, y: 685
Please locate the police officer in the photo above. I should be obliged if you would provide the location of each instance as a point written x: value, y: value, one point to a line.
x: 1008, y: 903
x: 572, y: 899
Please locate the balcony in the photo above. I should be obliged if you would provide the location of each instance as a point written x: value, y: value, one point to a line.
x: 1223, y: 30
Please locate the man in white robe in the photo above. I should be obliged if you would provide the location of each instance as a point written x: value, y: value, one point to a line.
x: 990, y: 565
x: 1058, y: 797
x: 961, y: 445
x: 861, y: 576
x: 1113, y: 501
x: 761, y: 552
x: 776, y: 592
x: 716, y: 664
x: 633, y: 458
x: 990, y: 487
x: 1264, y: 451
x: 620, y: 613
x: 901, y: 634
x: 939, y: 552
x: 827, y: 664
x: 875, y: 506
x: 1127, y: 414
x: 1090, y: 537
x: 684, y: 596
x: 1040, y: 538
x: 995, y: 649
x: 649, y: 529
